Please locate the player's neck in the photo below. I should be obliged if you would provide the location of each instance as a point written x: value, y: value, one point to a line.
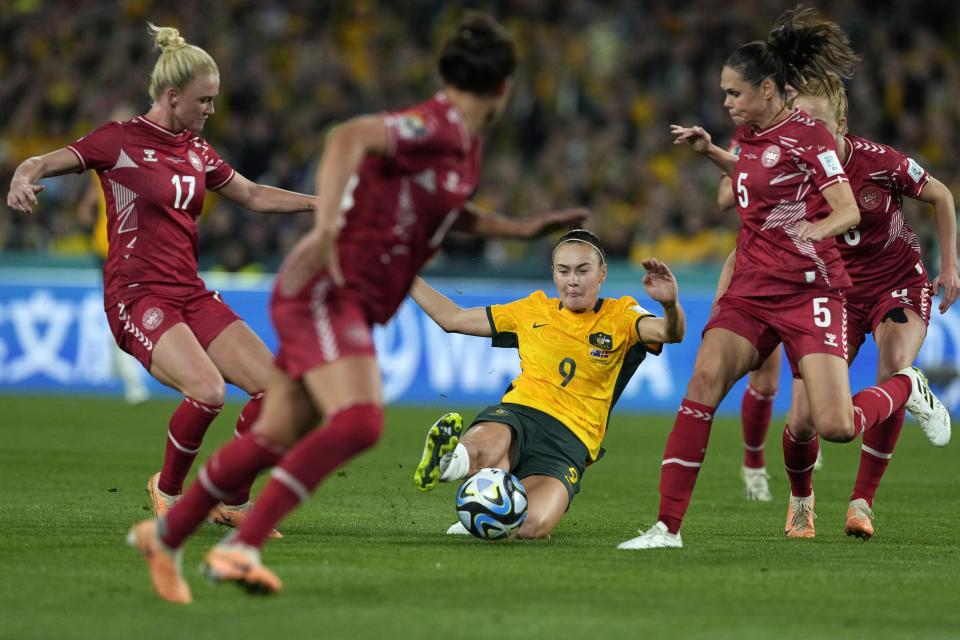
x: 475, y: 109
x: 843, y: 149
x: 776, y: 118
x: 163, y: 117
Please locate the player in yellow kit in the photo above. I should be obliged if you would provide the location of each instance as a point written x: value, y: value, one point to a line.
x: 577, y: 353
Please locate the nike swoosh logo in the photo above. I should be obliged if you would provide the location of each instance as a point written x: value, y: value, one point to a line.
x: 537, y: 326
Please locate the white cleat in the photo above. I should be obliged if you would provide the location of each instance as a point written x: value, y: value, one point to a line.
x: 755, y: 485
x: 926, y: 408
x: 457, y: 530
x: 656, y: 537
x: 818, y: 464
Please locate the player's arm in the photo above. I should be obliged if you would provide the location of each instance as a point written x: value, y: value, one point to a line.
x: 24, y: 185
x: 265, y: 199
x: 725, y: 198
x: 843, y: 215
x: 936, y: 193
x: 473, y: 219
x: 662, y: 287
x: 699, y: 140
x: 446, y: 313
x: 347, y: 146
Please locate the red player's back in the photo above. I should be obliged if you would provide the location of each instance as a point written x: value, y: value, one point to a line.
x: 779, y: 176
x: 399, y: 206
x: 882, y: 247
x: 154, y: 182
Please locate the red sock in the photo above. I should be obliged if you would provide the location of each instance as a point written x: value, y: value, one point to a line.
x: 235, y: 463
x: 686, y: 447
x: 873, y: 405
x: 755, y: 412
x: 248, y: 416
x: 875, y: 454
x: 348, y: 432
x: 187, y: 426
x: 798, y: 459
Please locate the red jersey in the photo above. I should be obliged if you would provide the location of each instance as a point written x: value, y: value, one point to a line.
x: 153, y: 181
x: 400, y: 205
x: 882, y: 249
x: 778, y: 181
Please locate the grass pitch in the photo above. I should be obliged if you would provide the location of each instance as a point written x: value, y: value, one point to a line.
x: 368, y: 558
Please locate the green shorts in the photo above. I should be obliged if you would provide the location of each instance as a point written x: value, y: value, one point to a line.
x: 542, y: 445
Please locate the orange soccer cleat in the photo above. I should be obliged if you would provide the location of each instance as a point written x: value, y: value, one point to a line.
x: 161, y: 501
x: 163, y: 563
x: 234, y: 515
x: 859, y: 519
x: 800, y: 517
x: 240, y: 563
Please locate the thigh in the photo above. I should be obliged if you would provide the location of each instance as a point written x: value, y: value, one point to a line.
x: 547, y: 501
x: 344, y: 382
x: 766, y: 378
x: 242, y: 357
x: 723, y: 358
x: 813, y: 323
x: 208, y: 315
x: 489, y: 445
x: 288, y: 410
x: 827, y: 381
x: 180, y: 362
x: 899, y: 337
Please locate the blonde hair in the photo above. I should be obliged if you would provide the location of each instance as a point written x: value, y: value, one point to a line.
x: 179, y: 62
x: 830, y: 87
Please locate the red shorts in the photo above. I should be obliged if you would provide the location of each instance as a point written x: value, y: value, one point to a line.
x: 808, y: 322
x: 317, y: 326
x: 866, y: 311
x: 138, y: 322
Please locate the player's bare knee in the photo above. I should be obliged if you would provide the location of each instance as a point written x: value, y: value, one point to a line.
x: 706, y: 384
x: 208, y: 389
x: 834, y: 426
x: 534, y: 528
x: 764, y: 386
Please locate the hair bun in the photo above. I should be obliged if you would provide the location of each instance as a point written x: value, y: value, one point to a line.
x: 166, y: 38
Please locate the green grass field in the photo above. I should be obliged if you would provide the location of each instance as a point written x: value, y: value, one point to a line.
x: 367, y: 558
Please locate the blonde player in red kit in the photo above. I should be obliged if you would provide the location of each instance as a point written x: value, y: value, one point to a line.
x: 154, y: 171
x: 390, y: 187
x: 793, y: 197
x: 890, y: 298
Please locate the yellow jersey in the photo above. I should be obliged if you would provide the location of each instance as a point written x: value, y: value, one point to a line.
x: 573, y: 366
x: 98, y: 235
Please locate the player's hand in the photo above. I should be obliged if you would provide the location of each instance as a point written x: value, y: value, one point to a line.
x: 315, y: 251
x: 809, y: 231
x: 659, y: 281
x: 697, y: 137
x: 551, y: 221
x: 950, y: 281
x: 23, y: 196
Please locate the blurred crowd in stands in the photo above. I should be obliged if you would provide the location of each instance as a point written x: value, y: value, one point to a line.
x: 598, y: 85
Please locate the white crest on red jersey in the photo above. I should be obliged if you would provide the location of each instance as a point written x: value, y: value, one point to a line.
x: 770, y: 156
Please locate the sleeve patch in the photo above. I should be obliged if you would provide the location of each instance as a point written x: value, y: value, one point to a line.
x: 914, y: 170
x: 830, y: 163
x: 410, y: 126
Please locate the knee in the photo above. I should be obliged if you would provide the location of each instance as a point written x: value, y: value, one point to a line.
x: 765, y: 386
x: 834, y: 426
x: 535, y: 527
x: 706, y: 385
x: 208, y: 389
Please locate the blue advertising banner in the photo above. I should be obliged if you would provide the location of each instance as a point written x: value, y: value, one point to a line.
x: 54, y: 339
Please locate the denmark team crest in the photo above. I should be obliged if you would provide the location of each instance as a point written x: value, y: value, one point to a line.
x: 771, y: 156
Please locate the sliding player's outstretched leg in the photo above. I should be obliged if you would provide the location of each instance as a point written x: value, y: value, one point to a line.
x: 442, y: 440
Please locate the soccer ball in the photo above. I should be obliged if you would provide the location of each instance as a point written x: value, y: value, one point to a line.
x: 492, y: 504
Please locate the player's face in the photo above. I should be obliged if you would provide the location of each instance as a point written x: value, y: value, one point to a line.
x: 578, y: 273
x: 194, y: 104
x: 821, y: 110
x: 744, y: 102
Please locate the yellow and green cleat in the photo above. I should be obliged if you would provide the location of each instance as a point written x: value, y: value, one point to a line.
x: 442, y: 438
